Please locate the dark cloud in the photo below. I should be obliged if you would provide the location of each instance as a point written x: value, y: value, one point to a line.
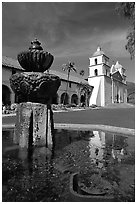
x: 65, y: 29
x: 53, y: 21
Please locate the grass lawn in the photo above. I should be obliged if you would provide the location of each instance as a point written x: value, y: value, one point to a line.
x: 119, y: 117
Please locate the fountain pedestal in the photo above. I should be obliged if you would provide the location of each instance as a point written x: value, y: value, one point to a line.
x: 34, y: 89
x: 34, y: 125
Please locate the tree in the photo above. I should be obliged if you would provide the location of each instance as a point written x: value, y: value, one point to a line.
x: 127, y: 9
x: 86, y: 88
x: 82, y: 72
x: 70, y: 66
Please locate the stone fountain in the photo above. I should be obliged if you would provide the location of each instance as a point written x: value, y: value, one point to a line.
x: 34, y: 88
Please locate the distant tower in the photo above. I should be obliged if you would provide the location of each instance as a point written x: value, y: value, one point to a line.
x: 119, y: 87
x: 122, y: 70
x: 99, y: 77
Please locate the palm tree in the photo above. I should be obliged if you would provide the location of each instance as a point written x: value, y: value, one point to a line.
x: 82, y: 72
x: 68, y: 67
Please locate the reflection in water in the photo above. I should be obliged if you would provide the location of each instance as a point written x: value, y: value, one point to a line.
x: 41, y: 168
x: 96, y: 148
x: 103, y: 145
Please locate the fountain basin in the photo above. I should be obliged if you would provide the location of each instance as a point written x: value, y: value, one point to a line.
x: 77, y: 193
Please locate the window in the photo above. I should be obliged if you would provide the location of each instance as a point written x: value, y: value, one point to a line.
x: 106, y: 72
x: 69, y: 84
x: 95, y: 61
x: 96, y: 72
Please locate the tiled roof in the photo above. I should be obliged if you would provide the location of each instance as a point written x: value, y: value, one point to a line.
x: 9, y: 62
x: 71, y: 78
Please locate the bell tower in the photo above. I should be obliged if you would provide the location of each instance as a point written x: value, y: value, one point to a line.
x: 99, y: 64
x: 99, y: 70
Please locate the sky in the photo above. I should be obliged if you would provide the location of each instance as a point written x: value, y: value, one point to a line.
x: 70, y: 31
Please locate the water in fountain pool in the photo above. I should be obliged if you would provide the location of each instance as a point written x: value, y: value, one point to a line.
x: 45, y: 174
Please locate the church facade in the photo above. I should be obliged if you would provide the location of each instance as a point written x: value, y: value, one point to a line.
x: 109, y: 82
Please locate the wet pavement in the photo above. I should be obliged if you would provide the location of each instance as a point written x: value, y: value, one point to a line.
x: 45, y: 174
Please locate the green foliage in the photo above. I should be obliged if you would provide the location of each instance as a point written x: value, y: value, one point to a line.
x: 127, y: 9
x: 82, y: 72
x: 131, y: 92
x: 70, y: 66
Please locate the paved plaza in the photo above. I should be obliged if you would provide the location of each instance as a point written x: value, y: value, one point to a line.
x: 116, y: 116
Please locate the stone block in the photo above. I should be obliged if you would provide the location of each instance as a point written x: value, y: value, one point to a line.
x: 34, y: 125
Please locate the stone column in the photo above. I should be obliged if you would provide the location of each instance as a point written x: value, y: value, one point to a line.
x: 112, y: 91
x: 119, y: 94
x: 12, y: 97
x: 34, y: 120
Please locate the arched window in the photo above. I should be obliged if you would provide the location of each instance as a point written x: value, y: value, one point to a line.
x: 64, y: 98
x: 96, y: 61
x: 96, y: 72
x: 74, y: 99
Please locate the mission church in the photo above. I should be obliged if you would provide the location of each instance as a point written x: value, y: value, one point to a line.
x: 108, y: 83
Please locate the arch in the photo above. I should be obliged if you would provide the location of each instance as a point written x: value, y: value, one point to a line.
x: 96, y: 72
x: 64, y: 98
x: 74, y: 99
x: 55, y: 99
x: 6, y: 95
x: 83, y: 100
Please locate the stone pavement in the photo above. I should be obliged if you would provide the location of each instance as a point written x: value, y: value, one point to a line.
x: 120, y: 105
x: 114, y: 118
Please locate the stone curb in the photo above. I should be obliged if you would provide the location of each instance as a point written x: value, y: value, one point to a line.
x: 54, y: 111
x: 8, y: 115
x: 106, y: 128
x: 120, y: 130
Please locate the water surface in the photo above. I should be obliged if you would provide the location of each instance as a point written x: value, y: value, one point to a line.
x: 45, y: 174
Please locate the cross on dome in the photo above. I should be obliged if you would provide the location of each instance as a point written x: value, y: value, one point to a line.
x: 99, y: 48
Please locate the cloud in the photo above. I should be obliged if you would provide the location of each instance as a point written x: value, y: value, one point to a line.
x: 71, y: 28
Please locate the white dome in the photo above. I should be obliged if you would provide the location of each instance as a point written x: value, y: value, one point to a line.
x: 117, y: 65
x: 98, y: 52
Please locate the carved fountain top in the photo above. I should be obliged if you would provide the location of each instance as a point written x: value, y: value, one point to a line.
x: 33, y: 85
x: 35, y: 59
x: 35, y: 45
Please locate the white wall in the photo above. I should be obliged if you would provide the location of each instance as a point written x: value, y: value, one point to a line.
x: 108, y: 90
x: 92, y: 70
x: 101, y: 70
x: 92, y: 60
x: 97, y: 96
